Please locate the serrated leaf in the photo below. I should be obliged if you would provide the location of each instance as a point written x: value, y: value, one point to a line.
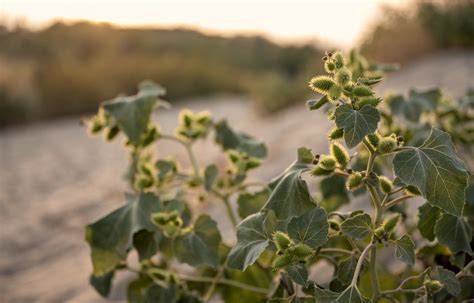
x: 201, y: 245
x: 405, y: 249
x: 102, y: 284
x: 358, y: 226
x: 325, y: 295
x: 132, y: 113
x: 252, y: 239
x: 427, y: 216
x: 298, y: 273
x: 435, y: 169
x: 449, y: 280
x: 232, y: 139
x: 351, y: 295
x: 290, y: 194
x: 356, y: 123
x: 210, y: 176
x: 109, y: 246
x: 454, y: 233
x: 345, y: 270
x: 310, y: 228
x: 250, y: 203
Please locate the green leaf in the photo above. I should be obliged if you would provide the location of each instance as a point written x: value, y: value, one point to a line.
x: 351, y: 295
x: 250, y: 203
x: 356, y: 123
x: 110, y: 238
x: 144, y: 290
x: 102, y: 284
x: 311, y: 228
x: 201, y: 245
x: 146, y: 243
x: 427, y: 216
x: 454, y: 233
x: 210, y: 176
x: 255, y: 276
x: 298, y: 273
x: 345, y: 270
x: 325, y: 295
x: 405, y: 249
x: 252, y: 239
x: 132, y: 113
x: 290, y: 195
x: 231, y: 139
x: 358, y: 226
x: 435, y: 169
x: 449, y: 280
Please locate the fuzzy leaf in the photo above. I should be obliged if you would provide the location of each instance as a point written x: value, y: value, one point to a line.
x: 298, y: 273
x: 250, y: 203
x: 201, y: 245
x: 435, y: 169
x: 405, y: 249
x: 358, y: 226
x: 232, y: 139
x: 290, y: 195
x: 427, y: 216
x: 449, y: 280
x: 356, y: 123
x: 351, y: 295
x: 252, y: 239
x: 311, y: 228
x: 132, y: 113
x: 454, y: 233
x: 109, y: 246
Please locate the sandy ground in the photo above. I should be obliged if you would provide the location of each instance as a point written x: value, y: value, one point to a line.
x: 54, y: 179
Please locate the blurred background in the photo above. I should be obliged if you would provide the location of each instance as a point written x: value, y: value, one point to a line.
x: 245, y: 60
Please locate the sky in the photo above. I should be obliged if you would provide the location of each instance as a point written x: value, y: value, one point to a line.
x: 336, y: 21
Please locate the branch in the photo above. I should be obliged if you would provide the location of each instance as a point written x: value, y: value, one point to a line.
x: 225, y: 282
x: 359, y: 264
x: 389, y: 204
x: 465, y: 269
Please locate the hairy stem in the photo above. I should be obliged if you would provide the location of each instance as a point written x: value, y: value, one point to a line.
x: 389, y: 204
x: 359, y: 264
x: 225, y: 282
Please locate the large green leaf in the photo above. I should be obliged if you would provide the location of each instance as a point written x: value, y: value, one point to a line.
x: 250, y: 203
x: 449, y: 280
x: 146, y: 243
x: 356, y: 123
x: 201, y: 245
x: 132, y: 113
x: 310, y: 228
x: 405, y: 249
x: 351, y: 295
x: 358, y: 226
x: 325, y: 295
x: 110, y: 238
x: 345, y: 269
x: 232, y: 139
x: 435, y: 169
x: 253, y: 235
x: 427, y: 216
x: 298, y: 273
x: 102, y: 284
x: 290, y: 195
x: 417, y: 103
x: 454, y: 233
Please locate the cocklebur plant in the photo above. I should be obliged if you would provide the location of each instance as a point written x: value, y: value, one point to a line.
x: 283, y: 229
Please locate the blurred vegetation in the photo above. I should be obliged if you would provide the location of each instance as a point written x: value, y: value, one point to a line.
x: 405, y: 33
x: 68, y: 69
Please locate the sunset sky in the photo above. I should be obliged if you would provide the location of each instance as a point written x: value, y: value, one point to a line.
x: 337, y: 21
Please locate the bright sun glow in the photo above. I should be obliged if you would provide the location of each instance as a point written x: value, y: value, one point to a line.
x: 282, y: 19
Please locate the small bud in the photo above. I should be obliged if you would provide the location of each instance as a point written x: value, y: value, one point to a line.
x: 334, y: 225
x: 390, y: 223
x: 334, y: 93
x: 327, y: 162
x: 321, y: 84
x: 354, y: 181
x: 362, y: 91
x: 339, y: 60
x: 385, y: 184
x: 95, y: 125
x: 343, y: 76
x: 301, y: 250
x: 340, y: 154
x: 329, y: 66
x: 374, y: 101
x: 336, y: 133
x: 281, y: 240
x: 318, y: 171
x: 379, y: 232
x: 315, y: 161
x: 159, y: 218
x: 281, y: 261
x: 374, y: 139
x: 142, y: 182
x: 434, y: 286
x: 386, y: 145
x: 112, y: 133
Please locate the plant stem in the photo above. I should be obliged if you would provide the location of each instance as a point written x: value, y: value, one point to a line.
x: 465, y: 269
x: 336, y: 250
x: 225, y: 282
x: 213, y: 285
x: 359, y: 264
x: 389, y: 204
x: 401, y: 290
x: 188, y: 147
x: 230, y: 211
